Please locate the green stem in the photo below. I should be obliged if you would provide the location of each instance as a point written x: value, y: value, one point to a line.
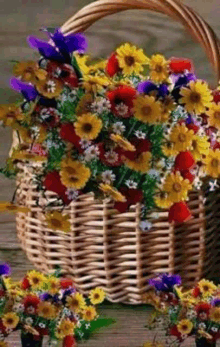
x: 132, y: 128
x: 122, y: 177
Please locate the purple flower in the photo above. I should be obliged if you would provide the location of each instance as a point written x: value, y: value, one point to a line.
x: 215, y: 302
x: 26, y: 89
x: 45, y: 296
x: 62, y: 45
x: 5, y: 269
x: 165, y: 282
x: 180, y: 82
x: 147, y: 86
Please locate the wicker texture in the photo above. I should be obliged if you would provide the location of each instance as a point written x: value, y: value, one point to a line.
x: 106, y: 248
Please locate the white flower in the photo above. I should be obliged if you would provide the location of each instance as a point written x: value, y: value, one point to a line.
x: 214, y: 329
x: 131, y: 184
x: 87, y: 325
x: 30, y: 309
x: 18, y: 308
x: 122, y: 109
x: 154, y: 215
x: 63, y: 97
x: 202, y: 326
x: 154, y: 173
x: 51, y: 86
x: 84, y: 143
x: 191, y: 314
x: 53, y: 343
x: 140, y: 134
x: 29, y: 320
x: 201, y: 132
x: 2, y: 337
x: 42, y: 325
x: 96, y: 107
x: 118, y: 128
x: 81, y: 334
x: 213, y: 185
x: 108, y: 176
x: 72, y: 96
x: 51, y: 144
x: 145, y: 225
x: 104, y: 104
x: 72, y: 194
x: 197, y: 183
x: 91, y: 152
x: 76, y: 316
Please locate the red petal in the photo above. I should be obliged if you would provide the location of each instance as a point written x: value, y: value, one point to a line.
x: 66, y: 283
x: 184, y: 161
x: 25, y: 284
x: 121, y: 206
x: 216, y: 145
x: 179, y: 65
x: 216, y: 94
x: 122, y: 94
x: 67, y: 133
x: 179, y: 212
x: 69, y: 341
x: 112, y: 65
x: 188, y: 175
x: 193, y: 127
x: 53, y: 183
x: 196, y: 292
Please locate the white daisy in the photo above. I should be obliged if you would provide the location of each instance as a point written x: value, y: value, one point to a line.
x: 87, y: 325
x: 154, y: 173
x: 140, y: 134
x: 213, y: 185
x: 214, y: 329
x: 197, y: 183
x: 202, y: 326
x: 122, y: 109
x: 51, y: 86
x: 118, y: 128
x: 96, y: 107
x: 72, y: 96
x: 18, y: 308
x: 42, y: 325
x: 108, y: 176
x: 145, y: 225
x: 104, y: 104
x: 29, y: 320
x: 91, y: 152
x: 72, y: 194
x: 84, y: 143
x: 131, y: 184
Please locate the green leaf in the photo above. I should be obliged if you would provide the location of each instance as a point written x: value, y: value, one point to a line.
x: 101, y: 323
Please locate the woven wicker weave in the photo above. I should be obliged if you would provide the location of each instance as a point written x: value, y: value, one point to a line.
x: 106, y: 248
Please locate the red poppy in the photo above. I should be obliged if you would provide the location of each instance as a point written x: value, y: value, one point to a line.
x: 53, y: 183
x: 133, y: 196
x: 112, y: 65
x: 175, y: 332
x: 179, y: 213
x: 184, y: 161
x: 25, y: 284
x: 67, y: 133
x: 196, y: 292
x: 110, y: 157
x: 179, y: 65
x: 66, y: 283
x: 63, y: 72
x: 31, y: 301
x: 69, y: 341
x: 216, y: 95
x: 188, y: 175
x: 121, y: 99
x: 141, y: 145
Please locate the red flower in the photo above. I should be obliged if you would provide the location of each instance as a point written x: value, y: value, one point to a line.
x: 121, y: 99
x: 66, y: 283
x: 193, y: 127
x: 175, y: 332
x: 67, y: 133
x: 42, y: 331
x: 53, y: 183
x: 49, y: 117
x: 188, y: 175
x: 133, y: 196
x: 110, y: 157
x: 141, y: 145
x: 216, y: 145
x: 179, y: 213
x: 25, y: 284
x: 112, y: 65
x: 184, y: 161
x: 216, y: 95
x: 31, y: 303
x: 63, y: 72
x: 179, y: 65
x: 203, y: 307
x: 196, y: 292
x: 69, y: 341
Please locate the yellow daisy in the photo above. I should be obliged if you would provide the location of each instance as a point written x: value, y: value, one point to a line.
x: 50, y: 87
x: 10, y: 207
x: 84, y: 104
x: 168, y: 105
x: 131, y: 59
x: 200, y: 147
x: 88, y: 126
x: 158, y: 68
x: 29, y: 71
x: 65, y: 328
x: 89, y: 313
x: 28, y: 156
x: 112, y: 192
x: 74, y: 174
x: 57, y: 221
x: 147, y: 109
x: 212, y: 163
x: 54, y: 285
x: 28, y: 136
x: 36, y: 279
x: 215, y: 314
x: 10, y: 320
x: 82, y: 62
x: 177, y: 187
x: 76, y: 302
x: 214, y: 115
x: 181, y: 137
x: 94, y: 84
x: 185, y: 326
x: 196, y: 97
x: 141, y: 164
x: 162, y: 200
x: 168, y: 149
x: 207, y: 287
x: 122, y: 142
x: 47, y: 310
x: 97, y: 67
x: 10, y: 115
x: 97, y: 296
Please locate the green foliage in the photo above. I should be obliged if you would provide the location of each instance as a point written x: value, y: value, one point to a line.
x: 88, y: 328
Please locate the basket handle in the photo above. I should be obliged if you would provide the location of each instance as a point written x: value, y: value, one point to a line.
x: 194, y: 23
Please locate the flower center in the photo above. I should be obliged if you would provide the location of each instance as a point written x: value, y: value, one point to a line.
x: 129, y: 60
x: 184, y: 327
x: 146, y: 110
x: 182, y: 137
x: 56, y: 223
x: 158, y: 68
x: 70, y: 170
x: 10, y: 321
x: 195, y: 97
x: 177, y: 187
x: 96, y: 296
x: 87, y: 127
x: 88, y: 313
x: 194, y: 144
x: 215, y: 163
x: 217, y: 115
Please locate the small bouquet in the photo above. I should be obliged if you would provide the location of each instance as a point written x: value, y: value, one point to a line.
x: 47, y: 305
x: 183, y: 313
x: 133, y: 128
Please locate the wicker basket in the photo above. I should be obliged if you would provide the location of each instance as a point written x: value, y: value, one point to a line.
x: 106, y: 248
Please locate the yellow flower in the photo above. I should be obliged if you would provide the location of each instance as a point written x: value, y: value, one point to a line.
x: 131, y: 59
x: 168, y: 105
x: 74, y: 174
x: 84, y: 104
x: 76, y: 302
x: 10, y: 320
x: 50, y: 87
x: 147, y: 109
x: 4, y: 344
x: 94, y: 84
x: 28, y: 156
x: 112, y: 192
x: 97, y: 296
x: 88, y: 126
x: 212, y: 163
x: 57, y: 221
x: 141, y: 164
x: 158, y: 68
x: 10, y: 207
x: 177, y: 187
x: 162, y: 200
x: 97, y: 67
x: 152, y: 344
x: 200, y: 147
x: 196, y: 97
x: 168, y: 149
x: 207, y: 287
x: 89, y: 313
x: 214, y: 115
x: 28, y: 136
x: 181, y: 137
x: 36, y: 279
x: 215, y: 314
x: 47, y: 310
x: 185, y: 326
x: 122, y: 142
x: 54, y: 285
x: 10, y: 115
x: 65, y: 328
x: 29, y: 71
x: 82, y: 63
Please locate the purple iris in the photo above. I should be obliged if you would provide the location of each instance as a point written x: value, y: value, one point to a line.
x: 5, y: 269
x: 45, y: 296
x: 215, y: 302
x: 26, y: 89
x: 62, y: 45
x: 165, y: 282
x: 147, y: 86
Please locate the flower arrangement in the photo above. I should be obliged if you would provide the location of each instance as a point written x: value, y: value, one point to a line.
x: 47, y: 305
x: 187, y: 313
x: 132, y: 128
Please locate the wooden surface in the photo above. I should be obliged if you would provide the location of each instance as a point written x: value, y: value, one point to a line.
x: 155, y: 33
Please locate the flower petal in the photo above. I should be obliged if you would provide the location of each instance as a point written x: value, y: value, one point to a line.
x: 76, y: 42
x: 59, y: 40
x: 5, y: 269
x: 27, y: 90
x: 45, y: 49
